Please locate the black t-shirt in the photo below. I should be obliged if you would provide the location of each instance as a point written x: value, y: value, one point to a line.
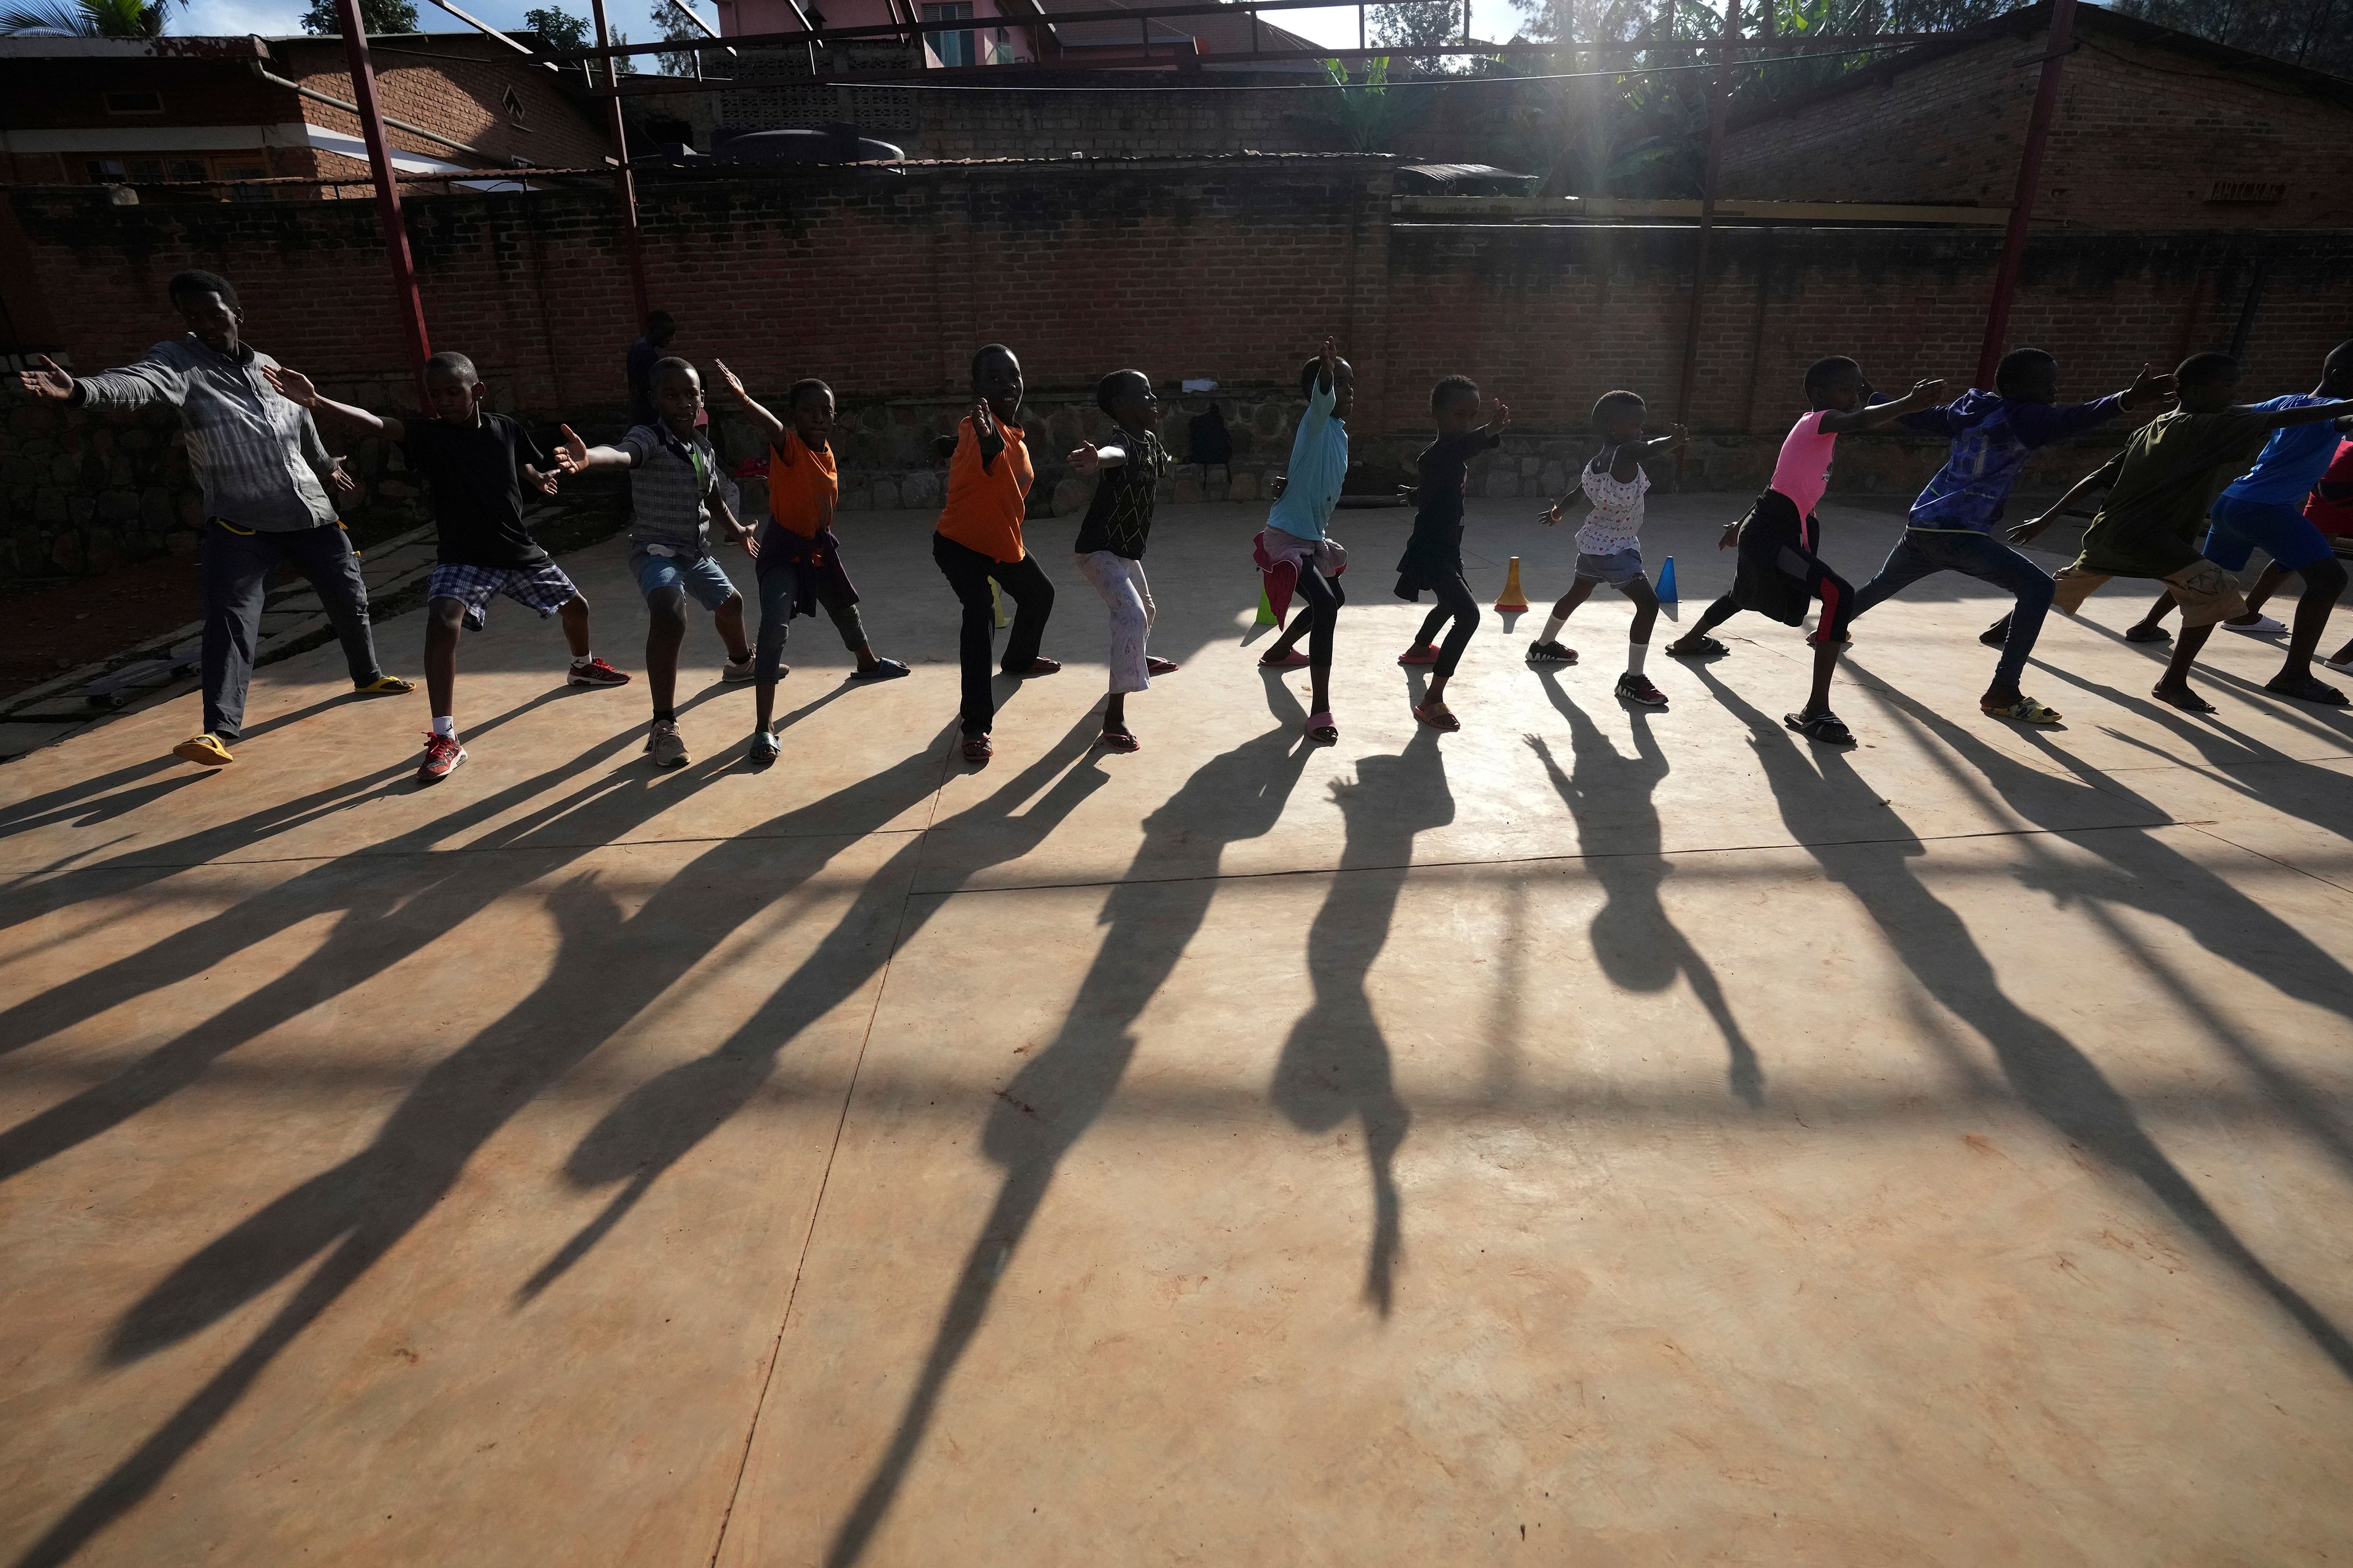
x: 1120, y: 517
x: 478, y: 487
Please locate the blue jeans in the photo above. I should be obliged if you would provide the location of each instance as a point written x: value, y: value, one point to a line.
x: 1980, y: 555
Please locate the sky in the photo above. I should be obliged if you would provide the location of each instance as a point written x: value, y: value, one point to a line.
x: 1490, y: 18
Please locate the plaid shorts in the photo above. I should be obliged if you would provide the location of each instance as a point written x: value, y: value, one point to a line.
x: 543, y: 588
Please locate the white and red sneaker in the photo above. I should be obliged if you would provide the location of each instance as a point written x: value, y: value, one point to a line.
x: 442, y: 756
x: 597, y: 672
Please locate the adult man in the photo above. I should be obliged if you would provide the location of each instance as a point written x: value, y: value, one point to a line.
x: 263, y: 470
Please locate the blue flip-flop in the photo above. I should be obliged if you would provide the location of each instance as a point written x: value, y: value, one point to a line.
x: 884, y: 669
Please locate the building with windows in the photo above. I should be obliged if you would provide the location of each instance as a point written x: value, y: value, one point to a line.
x: 192, y: 115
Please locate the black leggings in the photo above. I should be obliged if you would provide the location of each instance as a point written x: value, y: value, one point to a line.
x: 1323, y: 596
x: 968, y: 571
x: 1454, y: 600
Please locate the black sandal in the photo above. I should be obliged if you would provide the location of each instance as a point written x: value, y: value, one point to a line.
x: 1701, y: 647
x: 1824, y: 728
x: 2188, y: 701
x: 2308, y: 690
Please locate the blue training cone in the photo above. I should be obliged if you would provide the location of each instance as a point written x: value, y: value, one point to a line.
x: 1666, y: 589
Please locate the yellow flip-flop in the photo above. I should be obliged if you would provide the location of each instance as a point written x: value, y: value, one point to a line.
x: 204, y: 749
x: 2025, y: 711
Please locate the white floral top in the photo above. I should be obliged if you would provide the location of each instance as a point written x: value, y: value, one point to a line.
x: 1617, y: 521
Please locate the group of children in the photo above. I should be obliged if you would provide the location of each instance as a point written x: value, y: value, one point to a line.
x: 2273, y: 475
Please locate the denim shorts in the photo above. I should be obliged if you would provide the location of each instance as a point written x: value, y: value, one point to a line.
x: 2286, y: 534
x: 702, y: 577
x: 1618, y: 568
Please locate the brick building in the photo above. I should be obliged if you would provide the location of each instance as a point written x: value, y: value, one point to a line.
x: 2153, y: 129
x: 172, y: 110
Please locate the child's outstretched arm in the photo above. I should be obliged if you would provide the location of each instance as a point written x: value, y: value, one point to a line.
x: 2318, y: 412
x: 742, y: 532
x: 1839, y: 422
x: 1087, y: 457
x: 2098, y: 479
x: 296, y: 388
x: 1559, y: 509
x: 574, y: 456
x: 770, y: 425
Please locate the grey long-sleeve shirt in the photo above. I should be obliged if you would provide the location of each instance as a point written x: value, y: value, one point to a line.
x: 257, y: 456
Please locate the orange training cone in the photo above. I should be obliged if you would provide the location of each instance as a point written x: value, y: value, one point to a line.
x: 1513, y: 598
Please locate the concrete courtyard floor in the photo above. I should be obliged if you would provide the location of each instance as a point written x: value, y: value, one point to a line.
x: 1596, y: 1137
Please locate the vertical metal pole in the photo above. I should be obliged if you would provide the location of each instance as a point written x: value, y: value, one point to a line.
x: 405, y: 304
x: 1717, y: 111
x: 2030, y: 176
x: 624, y: 184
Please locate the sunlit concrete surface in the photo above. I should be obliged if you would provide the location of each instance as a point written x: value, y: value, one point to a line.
x: 1597, y: 1136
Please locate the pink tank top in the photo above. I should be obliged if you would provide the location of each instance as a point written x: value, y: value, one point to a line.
x: 1804, y: 471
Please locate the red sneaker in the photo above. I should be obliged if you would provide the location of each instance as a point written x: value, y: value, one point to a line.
x: 1420, y: 653
x: 597, y: 672
x: 442, y: 756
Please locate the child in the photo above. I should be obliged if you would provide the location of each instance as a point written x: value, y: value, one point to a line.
x: 2264, y: 507
x: 2159, y: 488
x: 1110, y: 546
x: 1610, y: 545
x: 1951, y: 525
x: 676, y: 488
x: 476, y: 463
x: 979, y: 541
x: 2330, y: 508
x: 1433, y: 555
x: 1294, y: 547
x: 798, y: 555
x: 1781, y: 569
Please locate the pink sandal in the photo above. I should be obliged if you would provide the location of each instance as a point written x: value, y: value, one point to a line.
x: 1320, y: 730
x: 1438, y: 716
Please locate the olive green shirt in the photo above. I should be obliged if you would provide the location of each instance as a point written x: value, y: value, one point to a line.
x: 2161, y: 485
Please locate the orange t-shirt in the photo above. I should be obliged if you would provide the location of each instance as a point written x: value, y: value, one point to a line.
x: 985, y: 505
x: 802, y: 486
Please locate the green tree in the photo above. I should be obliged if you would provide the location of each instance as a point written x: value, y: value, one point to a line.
x: 677, y: 29
x: 2316, y: 33
x: 1416, y: 27
x: 87, y: 18
x: 558, y: 27
x: 376, y: 16
x: 1366, y: 109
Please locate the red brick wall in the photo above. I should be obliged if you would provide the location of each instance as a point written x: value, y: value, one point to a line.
x: 431, y: 81
x: 2139, y: 136
x: 884, y: 283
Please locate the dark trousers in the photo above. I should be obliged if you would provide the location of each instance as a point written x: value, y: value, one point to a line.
x: 779, y: 587
x: 236, y: 570
x: 1984, y: 557
x: 1453, y: 599
x: 1323, y: 597
x: 969, y: 573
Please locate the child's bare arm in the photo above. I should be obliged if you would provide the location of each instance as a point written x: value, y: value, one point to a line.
x: 1559, y: 512
x: 984, y: 432
x: 770, y: 425
x: 725, y: 515
x: 1087, y: 457
x: 544, y: 483
x: 1871, y: 418
x: 574, y: 456
x: 2318, y: 412
x: 2099, y: 477
x: 296, y: 388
